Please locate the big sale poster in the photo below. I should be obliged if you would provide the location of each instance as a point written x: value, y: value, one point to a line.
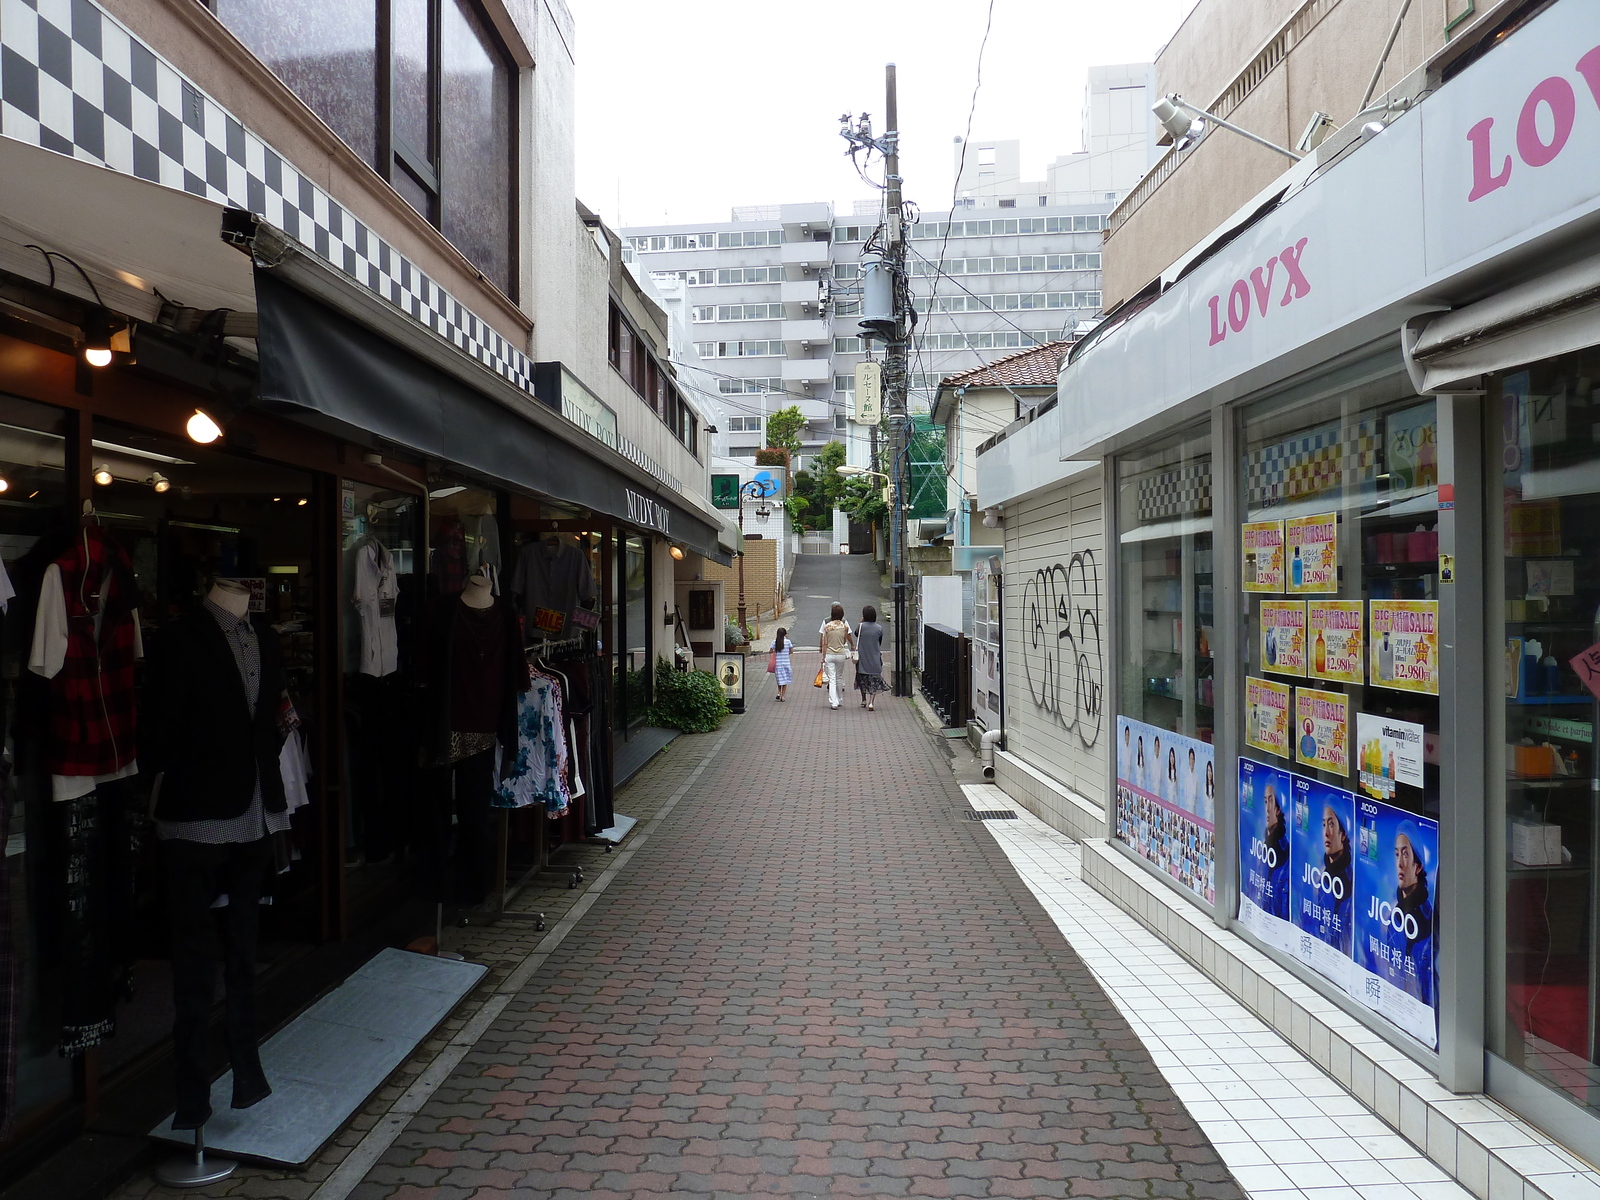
x: 1166, y: 803
x: 1313, y: 554
x: 1322, y: 889
x: 1265, y: 803
x: 1262, y: 543
x: 1322, y: 730
x: 1334, y: 641
x: 1405, y: 645
x: 1283, y: 636
x: 1266, y: 715
x: 1397, y: 886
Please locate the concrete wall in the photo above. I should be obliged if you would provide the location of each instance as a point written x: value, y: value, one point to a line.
x: 1057, y: 668
x: 1325, y: 70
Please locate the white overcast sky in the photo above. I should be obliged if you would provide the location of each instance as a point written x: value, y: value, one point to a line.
x: 689, y: 107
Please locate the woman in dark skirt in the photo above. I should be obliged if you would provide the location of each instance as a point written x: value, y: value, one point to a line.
x: 869, y: 666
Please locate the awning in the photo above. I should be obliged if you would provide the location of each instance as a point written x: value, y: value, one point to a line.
x: 1557, y: 313
x: 317, y: 361
x: 132, y: 237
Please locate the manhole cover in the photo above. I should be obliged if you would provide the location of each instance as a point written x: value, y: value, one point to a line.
x: 991, y: 814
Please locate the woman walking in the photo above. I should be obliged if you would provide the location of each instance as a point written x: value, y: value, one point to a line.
x: 869, y: 661
x: 837, y: 642
x: 780, y: 662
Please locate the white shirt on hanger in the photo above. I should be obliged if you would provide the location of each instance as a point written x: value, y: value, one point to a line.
x: 375, y: 592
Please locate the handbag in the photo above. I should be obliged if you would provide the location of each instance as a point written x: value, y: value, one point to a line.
x: 821, y: 680
x: 855, y: 656
x: 772, y: 662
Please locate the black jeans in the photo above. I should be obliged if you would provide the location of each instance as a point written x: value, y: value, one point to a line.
x: 465, y: 788
x: 196, y: 875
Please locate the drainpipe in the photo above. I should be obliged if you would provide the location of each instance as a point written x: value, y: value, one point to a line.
x: 987, y: 741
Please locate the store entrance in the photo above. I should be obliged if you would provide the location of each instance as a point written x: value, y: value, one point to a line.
x: 633, y: 651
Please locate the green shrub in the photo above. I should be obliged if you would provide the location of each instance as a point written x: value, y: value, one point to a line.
x: 692, y: 701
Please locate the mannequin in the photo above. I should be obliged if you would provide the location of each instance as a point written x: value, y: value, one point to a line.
x: 475, y: 671
x: 211, y: 736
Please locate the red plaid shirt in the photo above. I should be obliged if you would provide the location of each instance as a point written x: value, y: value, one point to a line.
x: 92, y: 711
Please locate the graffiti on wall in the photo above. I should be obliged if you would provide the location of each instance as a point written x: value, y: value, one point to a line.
x: 1061, y: 650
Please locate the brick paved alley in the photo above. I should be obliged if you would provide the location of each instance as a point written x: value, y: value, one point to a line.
x: 817, y: 979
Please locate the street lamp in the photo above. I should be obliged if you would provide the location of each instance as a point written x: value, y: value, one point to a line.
x: 755, y: 490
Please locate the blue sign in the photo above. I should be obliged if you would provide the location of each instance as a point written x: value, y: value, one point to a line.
x: 1264, y: 807
x: 1323, y: 853
x: 767, y: 485
x: 1397, y: 884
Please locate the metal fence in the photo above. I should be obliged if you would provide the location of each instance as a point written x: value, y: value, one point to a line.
x: 817, y: 543
x: 947, y: 674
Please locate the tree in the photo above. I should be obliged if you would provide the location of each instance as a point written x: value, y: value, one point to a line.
x: 830, y: 484
x: 784, y: 428
x: 862, y: 500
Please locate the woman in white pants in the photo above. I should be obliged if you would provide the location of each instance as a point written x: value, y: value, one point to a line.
x: 837, y: 643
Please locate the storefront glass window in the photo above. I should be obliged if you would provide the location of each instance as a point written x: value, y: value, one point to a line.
x: 1166, y: 773
x: 1338, y: 777
x: 634, y: 661
x: 1544, y: 537
x: 34, y: 504
x: 380, y: 589
x: 188, y: 515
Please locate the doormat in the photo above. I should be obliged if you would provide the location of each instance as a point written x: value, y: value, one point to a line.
x: 327, y: 1062
x: 615, y: 833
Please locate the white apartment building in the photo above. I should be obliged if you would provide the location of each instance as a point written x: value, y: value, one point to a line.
x: 773, y: 294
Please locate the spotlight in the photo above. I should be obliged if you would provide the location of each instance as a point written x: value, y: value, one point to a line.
x: 201, y: 428
x: 97, y: 338
x: 102, y: 475
x: 1371, y: 130
x: 160, y: 483
x: 300, y: 503
x: 676, y: 552
x: 1171, y: 117
x: 5, y: 484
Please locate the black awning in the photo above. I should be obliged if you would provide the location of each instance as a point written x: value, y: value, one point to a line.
x: 317, y: 360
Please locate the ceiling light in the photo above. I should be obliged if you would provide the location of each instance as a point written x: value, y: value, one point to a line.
x: 5, y: 484
x: 97, y: 338
x: 300, y: 503
x: 102, y: 475
x: 201, y: 428
x: 160, y: 483
x: 442, y: 493
x: 676, y: 552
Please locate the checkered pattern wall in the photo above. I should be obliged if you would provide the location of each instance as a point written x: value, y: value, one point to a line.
x: 75, y: 81
x: 1326, y: 458
x: 1176, y: 491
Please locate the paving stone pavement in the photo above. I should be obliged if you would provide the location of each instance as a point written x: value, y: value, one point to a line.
x: 817, y: 978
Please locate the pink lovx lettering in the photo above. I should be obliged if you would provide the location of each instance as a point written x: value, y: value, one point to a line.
x: 1258, y: 287
x: 1554, y: 95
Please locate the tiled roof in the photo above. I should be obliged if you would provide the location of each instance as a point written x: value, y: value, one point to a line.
x: 1035, y: 367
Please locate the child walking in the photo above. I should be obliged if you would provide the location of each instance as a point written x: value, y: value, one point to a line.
x: 780, y: 655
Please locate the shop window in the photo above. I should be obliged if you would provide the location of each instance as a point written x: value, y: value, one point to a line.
x: 634, y: 659
x: 1339, y: 780
x: 35, y: 505
x: 188, y: 516
x: 380, y: 583
x: 1543, y: 532
x: 1166, y: 773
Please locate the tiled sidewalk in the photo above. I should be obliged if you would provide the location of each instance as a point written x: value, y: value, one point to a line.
x: 1285, y: 1129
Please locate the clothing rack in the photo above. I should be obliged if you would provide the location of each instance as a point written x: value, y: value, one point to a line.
x: 535, y: 648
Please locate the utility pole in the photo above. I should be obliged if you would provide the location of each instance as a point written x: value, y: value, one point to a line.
x: 895, y: 379
x: 887, y: 316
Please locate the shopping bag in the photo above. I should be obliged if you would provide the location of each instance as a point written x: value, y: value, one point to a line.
x: 772, y: 662
x: 821, y: 680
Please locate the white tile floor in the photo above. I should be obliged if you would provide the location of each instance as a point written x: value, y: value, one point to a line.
x: 1286, y: 1130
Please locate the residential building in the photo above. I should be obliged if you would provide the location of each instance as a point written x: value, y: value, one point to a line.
x: 1275, y: 562
x: 773, y: 294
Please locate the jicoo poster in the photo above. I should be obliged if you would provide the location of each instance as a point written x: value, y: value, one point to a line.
x: 1397, y: 862
x: 1266, y: 715
x: 1167, y: 802
x: 1262, y: 543
x: 1388, y: 752
x: 1322, y: 730
x: 1323, y: 888
x: 1405, y: 645
x: 1264, y: 871
x: 1283, y: 636
x: 1313, y: 550
x: 1333, y: 641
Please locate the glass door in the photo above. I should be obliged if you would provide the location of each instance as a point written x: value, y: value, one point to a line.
x: 633, y: 656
